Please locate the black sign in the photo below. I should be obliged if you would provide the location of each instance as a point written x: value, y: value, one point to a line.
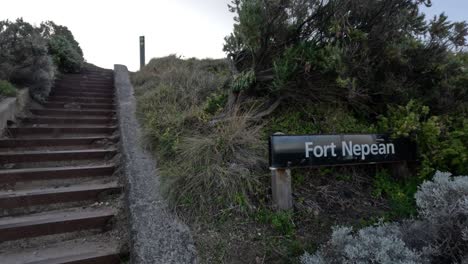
x: 319, y: 150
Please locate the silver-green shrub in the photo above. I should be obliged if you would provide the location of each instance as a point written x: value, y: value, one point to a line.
x: 438, y: 235
x: 377, y: 244
x: 443, y: 211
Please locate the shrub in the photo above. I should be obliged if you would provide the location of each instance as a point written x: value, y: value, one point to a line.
x: 24, y: 58
x: 437, y: 235
x: 7, y: 89
x: 63, y: 47
x: 443, y: 207
x: 378, y: 244
x: 335, y: 50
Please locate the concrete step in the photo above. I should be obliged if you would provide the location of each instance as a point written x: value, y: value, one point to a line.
x: 53, y: 222
x: 81, y: 99
x: 61, y: 155
x: 71, y: 112
x: 69, y: 252
x: 82, y: 192
x: 41, y: 174
x: 58, y: 131
x: 82, y: 106
x: 69, y: 120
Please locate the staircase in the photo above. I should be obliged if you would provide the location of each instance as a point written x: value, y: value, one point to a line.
x: 60, y: 190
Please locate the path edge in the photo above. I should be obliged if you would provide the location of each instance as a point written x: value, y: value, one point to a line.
x: 157, y: 236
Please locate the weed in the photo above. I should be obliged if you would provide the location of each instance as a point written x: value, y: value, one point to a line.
x: 401, y: 194
x: 281, y: 221
x: 7, y: 89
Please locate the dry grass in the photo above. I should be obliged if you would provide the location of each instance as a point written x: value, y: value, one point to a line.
x: 203, y: 166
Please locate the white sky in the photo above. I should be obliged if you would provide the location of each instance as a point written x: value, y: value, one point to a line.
x: 108, y: 30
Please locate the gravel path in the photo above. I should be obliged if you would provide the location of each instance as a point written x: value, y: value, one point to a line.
x: 157, y: 235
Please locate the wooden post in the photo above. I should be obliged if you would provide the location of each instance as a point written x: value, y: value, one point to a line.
x: 281, y: 188
x: 142, y: 51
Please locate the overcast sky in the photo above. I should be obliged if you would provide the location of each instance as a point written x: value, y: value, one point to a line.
x: 108, y: 30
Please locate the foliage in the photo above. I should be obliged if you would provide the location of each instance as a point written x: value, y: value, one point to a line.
x: 24, y: 58
x: 203, y: 165
x: 243, y: 81
x: 364, y: 53
x: 316, y: 119
x: 216, y: 103
x: 377, y: 244
x: 7, y: 89
x: 438, y: 235
x: 281, y: 221
x: 399, y: 193
x: 63, y: 47
x: 442, y: 141
x: 443, y: 206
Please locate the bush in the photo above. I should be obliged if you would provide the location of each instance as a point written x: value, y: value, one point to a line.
x: 24, y: 58
x: 335, y: 50
x: 7, y: 89
x: 437, y: 235
x: 204, y: 165
x: 379, y: 244
x: 63, y: 47
x: 443, y: 207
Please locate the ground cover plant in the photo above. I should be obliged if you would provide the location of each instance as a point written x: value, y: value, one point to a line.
x: 313, y: 67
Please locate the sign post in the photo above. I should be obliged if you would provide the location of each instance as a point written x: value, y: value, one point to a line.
x: 300, y: 151
x: 281, y: 188
x: 142, y: 51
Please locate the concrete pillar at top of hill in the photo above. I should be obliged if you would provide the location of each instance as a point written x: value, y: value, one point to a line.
x: 281, y: 188
x: 142, y: 51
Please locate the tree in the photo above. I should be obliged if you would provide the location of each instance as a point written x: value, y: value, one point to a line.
x: 366, y: 53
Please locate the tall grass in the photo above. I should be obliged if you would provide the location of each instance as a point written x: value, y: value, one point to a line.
x: 203, y: 166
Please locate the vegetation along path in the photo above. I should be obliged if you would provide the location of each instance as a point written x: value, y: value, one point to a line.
x: 61, y: 194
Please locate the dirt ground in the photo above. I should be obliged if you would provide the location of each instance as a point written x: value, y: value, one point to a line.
x: 322, y: 199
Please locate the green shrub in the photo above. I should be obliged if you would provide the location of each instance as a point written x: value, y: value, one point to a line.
x: 24, y: 58
x: 64, y: 49
x: 442, y: 141
x: 316, y: 119
x: 65, y: 57
x: 7, y: 89
x: 400, y: 194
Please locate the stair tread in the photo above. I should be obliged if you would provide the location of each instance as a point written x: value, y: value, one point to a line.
x: 66, y: 252
x: 58, y: 190
x: 46, y: 169
x: 56, y: 151
x: 50, y: 138
x: 54, y: 169
x: 54, y: 217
